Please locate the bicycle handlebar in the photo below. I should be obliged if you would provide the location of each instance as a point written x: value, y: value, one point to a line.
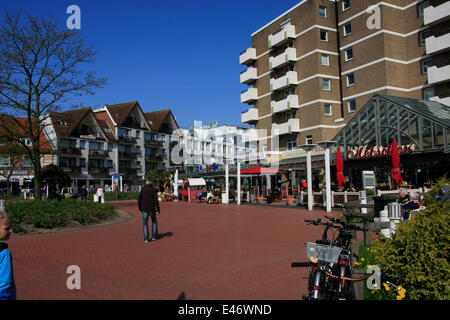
x: 346, y: 225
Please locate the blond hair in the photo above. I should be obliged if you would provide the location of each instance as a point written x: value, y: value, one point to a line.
x: 4, y: 218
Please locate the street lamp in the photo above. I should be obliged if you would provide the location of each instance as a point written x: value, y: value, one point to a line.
x: 308, y: 148
x: 327, y: 145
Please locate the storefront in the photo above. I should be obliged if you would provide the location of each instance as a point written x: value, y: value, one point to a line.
x: 421, y: 129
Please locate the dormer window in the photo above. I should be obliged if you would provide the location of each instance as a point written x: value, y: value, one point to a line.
x: 61, y: 122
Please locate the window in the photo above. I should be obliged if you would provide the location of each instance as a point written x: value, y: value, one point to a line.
x: 352, y: 105
x: 325, y: 59
x: 27, y: 142
x: 349, y: 54
x: 428, y: 93
x: 138, y: 134
x: 347, y: 29
x: 291, y: 144
x: 4, y: 161
x: 323, y: 35
x: 350, y: 79
x: 423, y: 35
x: 327, y: 109
x: 82, y: 144
x: 110, y: 147
x: 309, y: 140
x: 425, y: 64
x: 326, y: 84
x: 82, y: 163
x: 109, y: 164
x: 322, y: 11
x: 345, y: 5
x: 421, y: 6
x: 61, y: 122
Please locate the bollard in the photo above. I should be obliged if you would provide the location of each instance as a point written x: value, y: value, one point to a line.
x: 363, y: 200
x: 394, y: 214
x: 384, y: 218
x: 2, y: 205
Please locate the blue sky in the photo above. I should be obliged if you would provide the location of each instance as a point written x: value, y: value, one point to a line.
x: 182, y: 55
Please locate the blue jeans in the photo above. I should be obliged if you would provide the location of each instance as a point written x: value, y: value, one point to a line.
x: 145, y: 216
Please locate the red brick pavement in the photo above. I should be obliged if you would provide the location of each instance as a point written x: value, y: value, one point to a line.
x: 215, y: 252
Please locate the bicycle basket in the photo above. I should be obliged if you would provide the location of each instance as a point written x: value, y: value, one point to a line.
x: 322, y: 252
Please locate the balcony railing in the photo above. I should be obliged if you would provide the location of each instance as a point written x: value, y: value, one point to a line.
x: 99, y: 153
x: 250, y: 116
x: 249, y: 96
x: 436, y: 45
x: 291, y: 102
x: 128, y: 171
x: 127, y: 139
x: 127, y: 155
x: 249, y: 75
x: 289, y: 55
x: 438, y: 74
x: 93, y: 170
x: 153, y: 143
x: 291, y: 126
x: 289, y: 79
x: 69, y: 150
x: 70, y: 169
x: 281, y: 37
x: 247, y: 56
x: 434, y: 15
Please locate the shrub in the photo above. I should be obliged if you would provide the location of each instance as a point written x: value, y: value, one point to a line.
x: 431, y: 196
x: 49, y: 214
x: 417, y: 256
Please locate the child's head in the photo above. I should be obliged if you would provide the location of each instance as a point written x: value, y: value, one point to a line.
x: 5, y: 226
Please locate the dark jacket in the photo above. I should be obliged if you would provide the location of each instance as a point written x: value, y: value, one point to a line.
x: 148, y: 199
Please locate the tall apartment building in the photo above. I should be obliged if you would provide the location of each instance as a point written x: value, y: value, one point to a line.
x: 311, y: 69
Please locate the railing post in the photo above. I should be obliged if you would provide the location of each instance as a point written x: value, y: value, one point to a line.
x: 345, y: 197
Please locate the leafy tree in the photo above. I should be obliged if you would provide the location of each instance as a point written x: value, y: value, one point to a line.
x: 41, y: 66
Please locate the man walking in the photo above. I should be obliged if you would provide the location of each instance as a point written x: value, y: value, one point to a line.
x: 149, y: 206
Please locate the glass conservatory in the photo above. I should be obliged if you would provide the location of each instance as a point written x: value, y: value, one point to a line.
x: 421, y: 129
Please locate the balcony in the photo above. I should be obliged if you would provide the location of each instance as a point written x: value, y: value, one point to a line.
x: 437, y: 44
x: 250, y: 116
x: 291, y: 102
x: 437, y: 75
x: 153, y: 143
x: 291, y: 126
x: 128, y: 171
x: 69, y: 151
x: 70, y: 169
x: 93, y: 170
x: 127, y: 155
x: 98, y: 153
x: 289, y: 79
x: 248, y: 56
x: 289, y: 55
x: 434, y: 15
x: 248, y: 76
x: 127, y: 139
x: 282, y: 36
x: 249, y: 96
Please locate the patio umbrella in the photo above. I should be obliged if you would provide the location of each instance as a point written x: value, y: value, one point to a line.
x: 396, y: 164
x: 340, y: 168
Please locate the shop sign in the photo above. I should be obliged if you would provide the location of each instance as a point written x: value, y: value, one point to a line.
x: 365, y: 153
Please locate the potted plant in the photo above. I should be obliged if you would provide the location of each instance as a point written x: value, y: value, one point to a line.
x: 252, y: 195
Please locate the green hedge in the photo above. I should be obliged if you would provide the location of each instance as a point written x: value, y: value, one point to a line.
x: 49, y: 214
x: 418, y: 254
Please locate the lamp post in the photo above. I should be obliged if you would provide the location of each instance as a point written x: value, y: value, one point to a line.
x: 327, y: 145
x: 308, y: 148
x: 238, y: 183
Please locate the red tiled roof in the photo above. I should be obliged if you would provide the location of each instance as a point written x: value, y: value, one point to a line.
x: 156, y: 118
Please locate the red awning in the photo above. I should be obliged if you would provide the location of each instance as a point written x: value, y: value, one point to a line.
x: 260, y: 170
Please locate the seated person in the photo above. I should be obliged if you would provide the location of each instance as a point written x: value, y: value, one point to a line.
x: 412, y: 204
x: 402, y: 196
x: 201, y: 195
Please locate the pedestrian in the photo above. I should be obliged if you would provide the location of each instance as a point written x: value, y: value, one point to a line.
x: 83, y: 192
x: 7, y: 284
x: 99, y: 194
x: 149, y: 206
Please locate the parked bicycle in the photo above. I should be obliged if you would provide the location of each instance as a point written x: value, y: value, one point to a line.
x: 330, y: 265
